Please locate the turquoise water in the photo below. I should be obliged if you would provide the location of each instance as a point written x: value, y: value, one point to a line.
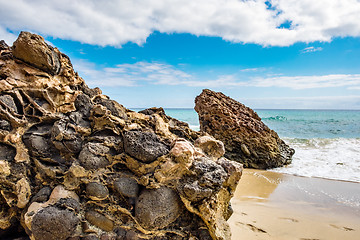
x: 326, y: 142
x: 313, y: 123
x: 305, y: 124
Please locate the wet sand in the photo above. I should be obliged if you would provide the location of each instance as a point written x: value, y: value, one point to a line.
x: 270, y: 205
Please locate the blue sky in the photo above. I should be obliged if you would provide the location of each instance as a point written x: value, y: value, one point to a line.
x: 266, y: 54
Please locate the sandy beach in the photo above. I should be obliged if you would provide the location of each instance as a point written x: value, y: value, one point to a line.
x: 270, y: 205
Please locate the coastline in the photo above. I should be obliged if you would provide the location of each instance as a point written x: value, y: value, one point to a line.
x: 271, y: 205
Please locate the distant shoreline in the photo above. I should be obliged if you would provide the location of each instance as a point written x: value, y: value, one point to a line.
x: 255, y: 109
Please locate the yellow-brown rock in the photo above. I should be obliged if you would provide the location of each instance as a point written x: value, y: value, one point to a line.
x: 75, y: 164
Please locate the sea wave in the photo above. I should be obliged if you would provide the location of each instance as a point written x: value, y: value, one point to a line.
x: 194, y: 127
x: 331, y: 158
x: 276, y: 118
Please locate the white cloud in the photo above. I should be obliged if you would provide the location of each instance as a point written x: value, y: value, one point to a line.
x: 165, y: 74
x: 95, y: 77
x: 311, y: 49
x: 116, y: 22
x: 351, y: 81
x: 7, y: 36
x: 131, y: 74
x: 252, y: 70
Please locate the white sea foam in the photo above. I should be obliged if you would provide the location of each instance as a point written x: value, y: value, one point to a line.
x: 337, y: 158
x: 194, y: 127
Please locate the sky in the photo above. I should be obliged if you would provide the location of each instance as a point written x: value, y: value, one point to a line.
x: 279, y: 54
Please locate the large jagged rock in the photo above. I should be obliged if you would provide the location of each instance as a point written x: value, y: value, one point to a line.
x: 76, y: 165
x: 246, y: 138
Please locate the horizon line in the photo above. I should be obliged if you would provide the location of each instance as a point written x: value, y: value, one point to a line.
x: 310, y: 109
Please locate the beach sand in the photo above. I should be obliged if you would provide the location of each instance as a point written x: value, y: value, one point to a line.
x: 269, y: 205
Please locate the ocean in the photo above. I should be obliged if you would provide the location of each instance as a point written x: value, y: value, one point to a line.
x: 326, y: 142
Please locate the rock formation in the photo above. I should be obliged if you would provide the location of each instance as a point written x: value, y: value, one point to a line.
x: 75, y: 164
x: 246, y: 138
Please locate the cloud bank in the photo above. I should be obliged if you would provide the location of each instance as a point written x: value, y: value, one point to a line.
x: 155, y: 73
x: 129, y: 75
x: 116, y: 22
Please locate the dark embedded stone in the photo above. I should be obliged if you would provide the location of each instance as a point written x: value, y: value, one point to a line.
x: 128, y: 187
x: 131, y: 235
x: 42, y: 195
x: 157, y: 208
x: 92, y: 156
x: 195, y: 193
x: 65, y: 137
x: 107, y: 237
x: 52, y: 223
x: 144, y: 146
x: 208, y: 178
x: 91, y: 92
x: 7, y: 152
x: 155, y: 110
x: 8, y: 101
x: 41, y: 102
x: 38, y: 145
x: 3, y: 45
x: 90, y: 237
x: 108, y: 137
x: 149, y: 111
x: 121, y: 233
x: 69, y: 203
x: 83, y: 104
x: 5, y: 125
x: 78, y: 119
x: 38, y: 141
x: 99, y: 220
x: 16, y: 238
x: 213, y: 179
x: 115, y: 108
x: 204, y: 234
x: 96, y: 191
x: 212, y: 174
x: 204, y: 166
x: 74, y: 238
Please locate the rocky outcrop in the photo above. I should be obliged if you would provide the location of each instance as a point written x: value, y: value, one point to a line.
x: 75, y: 164
x: 246, y: 138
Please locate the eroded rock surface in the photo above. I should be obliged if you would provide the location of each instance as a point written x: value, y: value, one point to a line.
x: 246, y: 138
x: 75, y: 164
x: 33, y: 50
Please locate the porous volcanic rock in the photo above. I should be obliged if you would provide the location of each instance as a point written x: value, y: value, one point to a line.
x: 246, y: 138
x: 75, y: 164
